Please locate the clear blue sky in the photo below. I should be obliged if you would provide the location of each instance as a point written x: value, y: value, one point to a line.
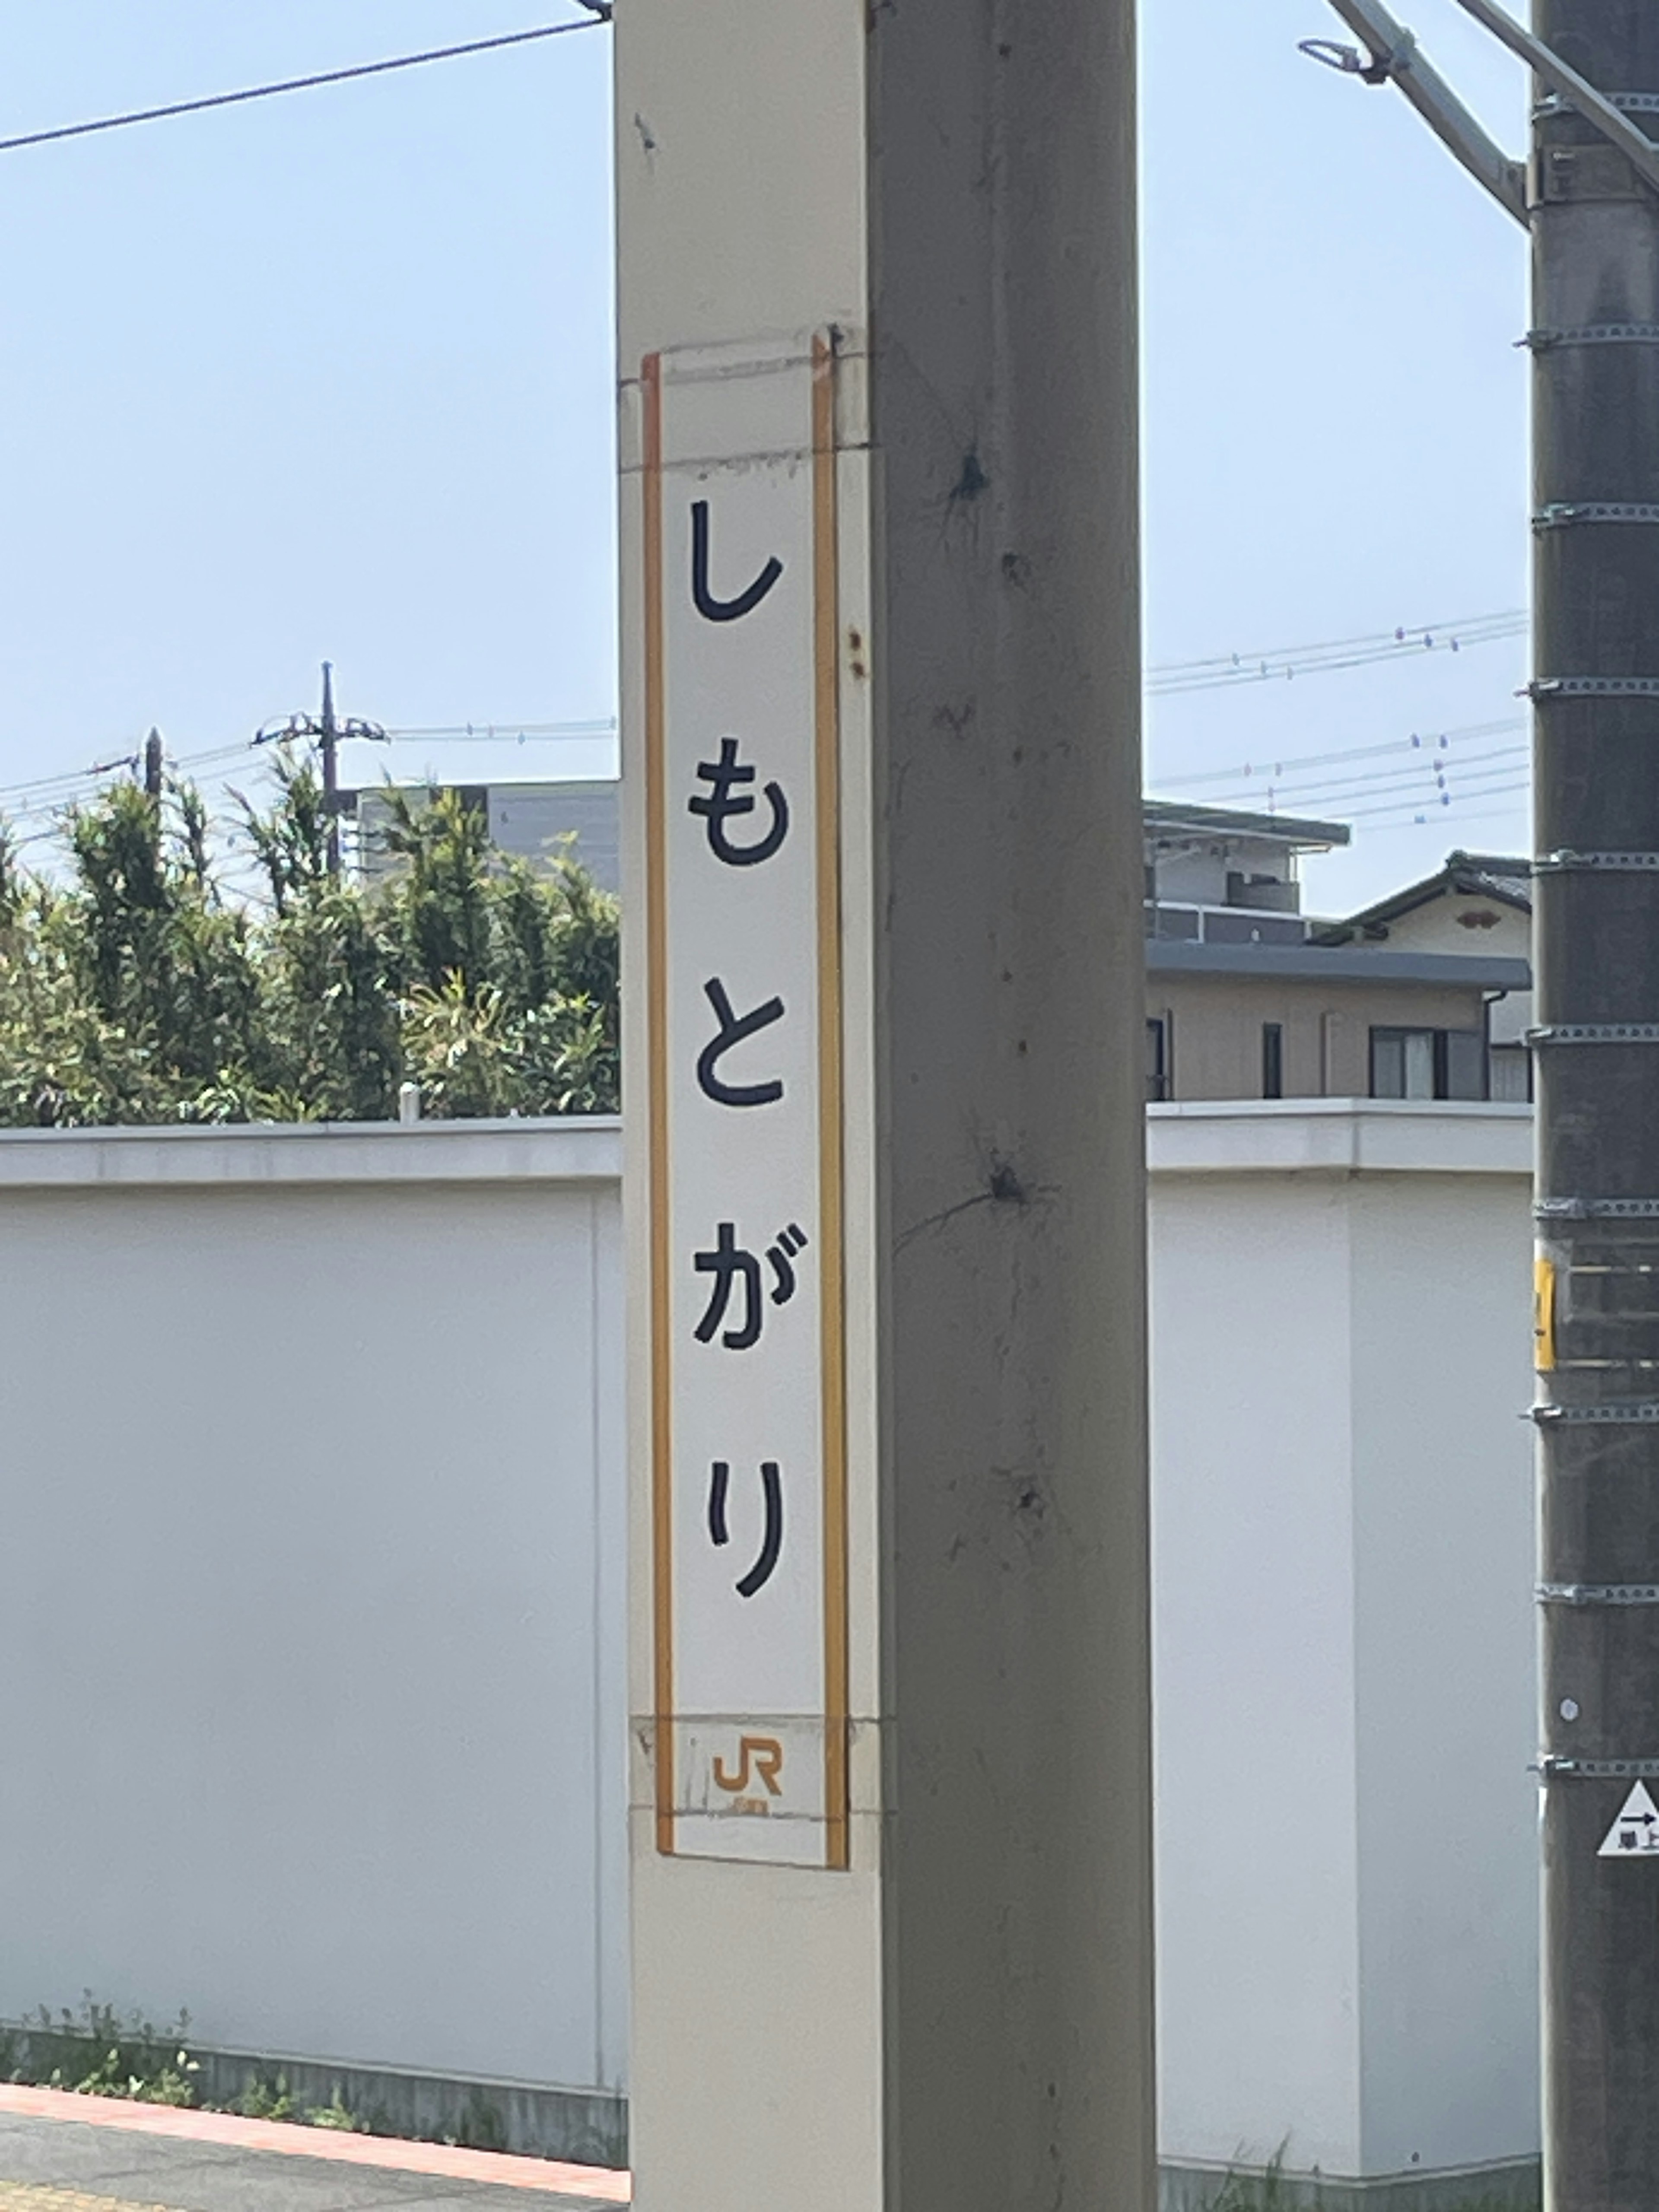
x: 1336, y: 417
x: 331, y: 375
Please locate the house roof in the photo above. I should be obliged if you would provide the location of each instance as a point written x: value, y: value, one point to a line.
x: 1500, y: 877
x: 1304, y: 835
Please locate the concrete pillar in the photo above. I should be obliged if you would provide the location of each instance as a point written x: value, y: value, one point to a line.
x: 889, y: 1804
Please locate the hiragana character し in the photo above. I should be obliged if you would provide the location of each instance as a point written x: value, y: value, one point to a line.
x: 722, y: 611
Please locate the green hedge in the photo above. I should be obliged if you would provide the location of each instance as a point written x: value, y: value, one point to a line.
x: 137, y: 985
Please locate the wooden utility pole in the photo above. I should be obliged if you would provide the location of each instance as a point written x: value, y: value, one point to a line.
x: 891, y: 1796
x: 1589, y: 196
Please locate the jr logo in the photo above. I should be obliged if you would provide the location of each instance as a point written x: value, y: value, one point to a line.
x: 759, y: 1755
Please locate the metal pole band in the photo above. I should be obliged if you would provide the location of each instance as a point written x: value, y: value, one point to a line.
x: 1597, y: 1209
x: 1598, y: 1770
x: 1594, y: 1033
x: 1628, y: 103
x: 1633, y: 1414
x: 1565, y: 514
x: 1565, y: 863
x: 1598, y: 1593
x: 1593, y: 687
x: 1588, y: 334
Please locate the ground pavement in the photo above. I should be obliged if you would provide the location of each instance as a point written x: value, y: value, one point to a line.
x: 60, y: 2152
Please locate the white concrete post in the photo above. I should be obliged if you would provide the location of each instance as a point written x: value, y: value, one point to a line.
x: 890, y: 1828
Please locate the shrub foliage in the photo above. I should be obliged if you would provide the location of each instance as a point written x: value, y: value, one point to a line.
x: 136, y: 988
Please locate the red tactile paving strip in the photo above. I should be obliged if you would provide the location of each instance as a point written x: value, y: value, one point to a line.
x: 548, y: 2175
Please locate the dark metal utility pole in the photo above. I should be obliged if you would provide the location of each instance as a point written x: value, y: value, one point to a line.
x: 1595, y: 350
x: 326, y: 732
x: 153, y: 762
x: 1591, y: 199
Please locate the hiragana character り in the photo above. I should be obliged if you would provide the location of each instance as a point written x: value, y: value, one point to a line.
x: 772, y: 1540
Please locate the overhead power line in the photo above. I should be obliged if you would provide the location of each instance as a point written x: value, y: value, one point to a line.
x: 1438, y: 771
x: 1228, y: 671
x: 1440, y: 810
x: 44, y: 796
x: 45, y: 791
x: 513, y: 733
x: 1270, y: 770
x: 599, y: 13
x: 1428, y: 762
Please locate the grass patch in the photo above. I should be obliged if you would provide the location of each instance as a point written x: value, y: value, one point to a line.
x: 100, y: 2052
x: 1266, y: 2189
x: 97, y: 2053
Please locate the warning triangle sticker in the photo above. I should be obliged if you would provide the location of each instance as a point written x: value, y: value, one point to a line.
x: 1635, y: 1834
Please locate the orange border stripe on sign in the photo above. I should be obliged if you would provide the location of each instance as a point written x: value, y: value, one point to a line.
x: 662, y: 1380
x: 832, y: 1202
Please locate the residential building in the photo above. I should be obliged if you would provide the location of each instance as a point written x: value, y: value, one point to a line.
x: 1308, y: 1021
x: 1215, y: 876
x: 1477, y: 900
x: 1426, y: 994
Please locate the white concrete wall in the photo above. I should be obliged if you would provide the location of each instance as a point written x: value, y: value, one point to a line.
x: 311, y: 1629
x: 1343, y: 1536
x: 311, y: 1591
x: 1254, y: 1670
x: 1440, y: 1302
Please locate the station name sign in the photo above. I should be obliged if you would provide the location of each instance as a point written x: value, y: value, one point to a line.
x: 748, y: 1427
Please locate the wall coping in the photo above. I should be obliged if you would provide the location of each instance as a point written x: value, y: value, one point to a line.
x: 1292, y: 1136
x: 1338, y: 1137
x: 574, y: 1151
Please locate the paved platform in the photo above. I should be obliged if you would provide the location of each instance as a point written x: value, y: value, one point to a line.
x: 60, y: 2152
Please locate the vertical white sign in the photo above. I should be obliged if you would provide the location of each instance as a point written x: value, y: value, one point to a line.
x: 744, y: 936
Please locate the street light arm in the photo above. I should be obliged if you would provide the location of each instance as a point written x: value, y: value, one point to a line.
x: 1395, y: 58
x: 1593, y: 105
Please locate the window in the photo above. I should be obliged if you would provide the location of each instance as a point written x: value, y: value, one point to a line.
x: 1403, y: 1063
x: 1273, y: 1060
x: 1428, y: 1064
x: 1159, y: 1085
x: 1509, y: 1073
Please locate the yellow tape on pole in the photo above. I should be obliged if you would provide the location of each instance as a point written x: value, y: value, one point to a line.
x: 1543, y: 1316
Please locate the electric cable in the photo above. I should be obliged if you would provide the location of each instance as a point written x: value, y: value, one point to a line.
x: 1228, y: 671
x: 1252, y: 772
x: 599, y: 14
x: 1441, y: 769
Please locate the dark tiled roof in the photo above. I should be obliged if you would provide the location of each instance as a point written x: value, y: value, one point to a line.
x: 1501, y: 877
